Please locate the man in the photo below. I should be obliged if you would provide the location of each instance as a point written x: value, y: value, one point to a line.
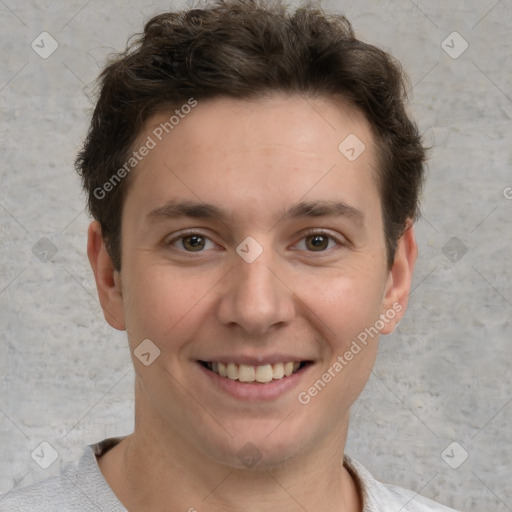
x: 254, y: 179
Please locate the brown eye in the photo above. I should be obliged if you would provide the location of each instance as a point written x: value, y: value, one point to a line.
x: 317, y: 242
x: 193, y: 243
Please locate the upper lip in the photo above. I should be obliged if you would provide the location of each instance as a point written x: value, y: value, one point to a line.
x: 255, y: 360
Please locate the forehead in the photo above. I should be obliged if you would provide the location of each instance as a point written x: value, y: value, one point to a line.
x: 270, y: 150
x: 291, y: 120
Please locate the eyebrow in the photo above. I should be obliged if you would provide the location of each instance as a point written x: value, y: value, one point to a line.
x: 324, y: 209
x: 178, y: 209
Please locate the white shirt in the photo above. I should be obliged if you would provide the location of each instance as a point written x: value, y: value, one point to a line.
x: 81, y: 487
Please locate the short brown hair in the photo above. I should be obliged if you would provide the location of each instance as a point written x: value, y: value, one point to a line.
x: 247, y: 49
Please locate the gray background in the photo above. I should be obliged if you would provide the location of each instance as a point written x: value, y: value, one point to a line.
x: 442, y: 377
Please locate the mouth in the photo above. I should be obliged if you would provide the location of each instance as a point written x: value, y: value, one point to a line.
x: 262, y: 374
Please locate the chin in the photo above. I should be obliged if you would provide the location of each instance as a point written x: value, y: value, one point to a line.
x: 256, y: 448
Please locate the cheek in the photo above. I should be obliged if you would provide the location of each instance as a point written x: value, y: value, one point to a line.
x: 345, y: 304
x: 344, y: 312
x: 161, y: 306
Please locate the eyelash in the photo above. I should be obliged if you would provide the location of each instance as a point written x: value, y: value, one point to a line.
x: 321, y: 232
x: 309, y: 233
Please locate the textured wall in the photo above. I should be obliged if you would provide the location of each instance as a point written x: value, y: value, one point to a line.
x: 444, y: 377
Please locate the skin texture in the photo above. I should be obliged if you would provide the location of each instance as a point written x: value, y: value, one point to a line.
x: 255, y: 160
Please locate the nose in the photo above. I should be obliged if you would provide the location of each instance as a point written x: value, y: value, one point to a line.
x: 255, y: 297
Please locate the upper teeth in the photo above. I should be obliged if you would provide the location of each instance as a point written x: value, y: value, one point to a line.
x: 249, y: 373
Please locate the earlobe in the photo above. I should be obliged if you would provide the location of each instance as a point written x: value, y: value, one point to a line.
x: 108, y: 280
x: 400, y: 278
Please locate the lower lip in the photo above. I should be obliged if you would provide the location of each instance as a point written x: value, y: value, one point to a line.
x: 256, y: 390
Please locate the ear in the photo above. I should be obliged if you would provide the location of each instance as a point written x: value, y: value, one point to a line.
x: 108, y: 280
x: 399, y: 281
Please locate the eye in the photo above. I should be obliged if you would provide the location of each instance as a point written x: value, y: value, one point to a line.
x: 318, y: 241
x: 192, y: 242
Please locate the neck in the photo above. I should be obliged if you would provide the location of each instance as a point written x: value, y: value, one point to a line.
x: 157, y: 469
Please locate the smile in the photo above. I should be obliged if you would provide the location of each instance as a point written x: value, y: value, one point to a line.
x: 249, y: 373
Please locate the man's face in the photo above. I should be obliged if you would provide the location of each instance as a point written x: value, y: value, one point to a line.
x: 309, y: 280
